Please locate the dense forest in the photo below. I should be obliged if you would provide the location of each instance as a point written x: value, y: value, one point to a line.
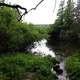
x: 17, y: 37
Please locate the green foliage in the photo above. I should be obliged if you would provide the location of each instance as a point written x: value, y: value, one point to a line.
x: 39, y: 32
x: 64, y: 30
x: 52, y: 60
x: 17, y: 36
x: 20, y: 66
x: 72, y: 65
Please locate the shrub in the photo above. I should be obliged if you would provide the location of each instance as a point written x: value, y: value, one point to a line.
x: 72, y: 65
x: 22, y: 66
x: 17, y: 36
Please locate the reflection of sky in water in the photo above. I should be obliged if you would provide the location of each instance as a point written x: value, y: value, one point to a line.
x: 41, y: 48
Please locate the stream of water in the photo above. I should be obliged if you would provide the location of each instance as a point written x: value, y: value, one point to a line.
x: 64, y: 75
x: 40, y: 48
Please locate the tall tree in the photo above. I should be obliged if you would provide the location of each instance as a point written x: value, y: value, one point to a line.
x: 68, y: 17
x: 76, y: 12
x: 60, y: 13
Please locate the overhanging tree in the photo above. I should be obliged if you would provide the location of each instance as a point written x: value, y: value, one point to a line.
x: 17, y: 7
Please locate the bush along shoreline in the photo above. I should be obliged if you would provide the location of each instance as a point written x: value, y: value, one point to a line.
x: 21, y: 66
x: 15, y: 38
x: 72, y: 66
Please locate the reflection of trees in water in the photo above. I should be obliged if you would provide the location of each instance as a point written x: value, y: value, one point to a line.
x: 64, y: 48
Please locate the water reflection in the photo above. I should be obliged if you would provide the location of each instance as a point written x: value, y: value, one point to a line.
x: 41, y: 48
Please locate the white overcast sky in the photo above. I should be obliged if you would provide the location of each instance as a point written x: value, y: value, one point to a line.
x: 42, y: 15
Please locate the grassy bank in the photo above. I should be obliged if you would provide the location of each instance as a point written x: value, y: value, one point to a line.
x: 21, y: 66
x: 72, y: 65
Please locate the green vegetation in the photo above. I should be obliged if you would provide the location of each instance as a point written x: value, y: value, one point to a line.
x: 22, y: 66
x: 17, y: 36
x: 65, y: 37
x: 64, y: 33
x: 72, y: 65
x: 62, y: 29
x: 16, y: 63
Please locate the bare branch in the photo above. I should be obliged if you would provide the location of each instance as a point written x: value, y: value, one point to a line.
x: 17, y: 7
x: 36, y: 6
x: 31, y: 9
x: 13, y: 6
